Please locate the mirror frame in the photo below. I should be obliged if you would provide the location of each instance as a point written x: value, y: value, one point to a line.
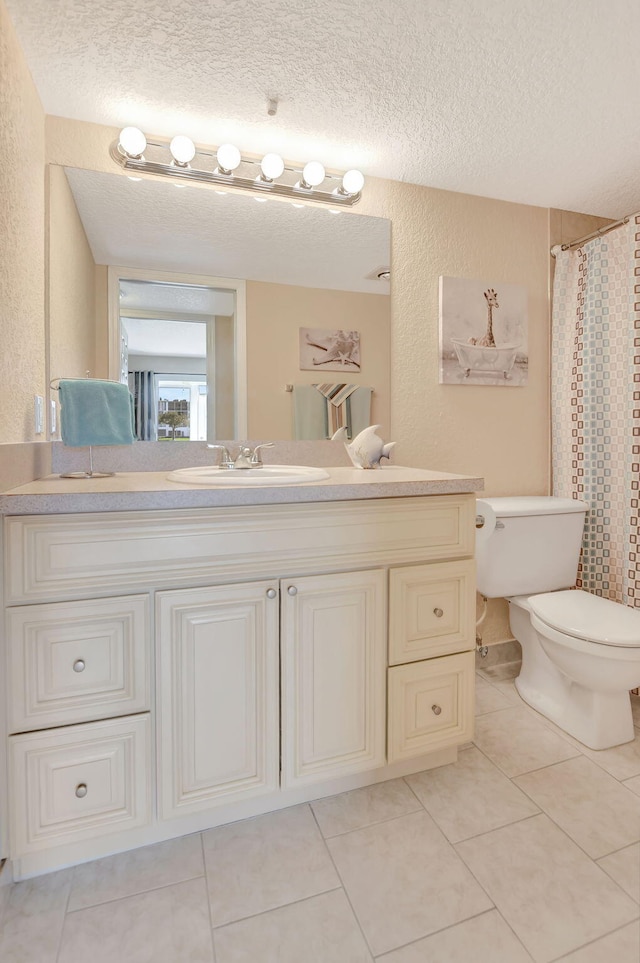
x: 238, y: 286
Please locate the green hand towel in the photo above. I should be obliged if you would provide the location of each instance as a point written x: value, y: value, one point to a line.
x: 95, y: 412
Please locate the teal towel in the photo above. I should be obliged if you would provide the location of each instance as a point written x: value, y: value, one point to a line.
x: 94, y: 412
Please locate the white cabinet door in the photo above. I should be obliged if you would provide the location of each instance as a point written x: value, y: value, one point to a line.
x: 333, y: 675
x: 218, y: 695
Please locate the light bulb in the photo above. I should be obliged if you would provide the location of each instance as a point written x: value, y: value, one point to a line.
x: 228, y: 157
x: 182, y: 149
x: 313, y: 174
x: 352, y: 182
x: 272, y: 166
x: 132, y: 141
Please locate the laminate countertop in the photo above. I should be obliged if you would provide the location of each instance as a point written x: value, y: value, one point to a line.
x: 150, y: 490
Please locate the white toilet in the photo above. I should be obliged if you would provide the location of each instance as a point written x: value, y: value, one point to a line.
x: 580, y: 652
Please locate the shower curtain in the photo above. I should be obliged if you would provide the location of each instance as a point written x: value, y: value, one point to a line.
x: 595, y: 404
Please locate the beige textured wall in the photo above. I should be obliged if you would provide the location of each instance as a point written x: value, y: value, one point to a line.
x: 500, y: 433
x: 72, y: 285
x: 22, y: 242
x: 275, y: 312
x: 102, y: 321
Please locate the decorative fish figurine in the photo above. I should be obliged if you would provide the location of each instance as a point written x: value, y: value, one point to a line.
x: 367, y: 448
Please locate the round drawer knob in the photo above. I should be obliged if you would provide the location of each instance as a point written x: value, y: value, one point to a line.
x: 436, y: 710
x: 81, y: 790
x: 271, y: 593
x: 292, y: 590
x: 78, y: 665
x: 438, y: 613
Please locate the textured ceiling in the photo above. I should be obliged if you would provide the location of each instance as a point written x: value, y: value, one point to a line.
x: 526, y: 100
x: 151, y: 224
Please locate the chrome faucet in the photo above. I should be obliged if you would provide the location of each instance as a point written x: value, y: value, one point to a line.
x: 246, y: 458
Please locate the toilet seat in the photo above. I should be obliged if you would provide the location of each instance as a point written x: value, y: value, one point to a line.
x: 586, y: 618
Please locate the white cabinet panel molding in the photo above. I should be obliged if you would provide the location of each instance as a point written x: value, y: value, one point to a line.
x: 71, y: 662
x: 218, y: 694
x: 68, y: 556
x: 431, y: 705
x: 432, y: 610
x: 333, y: 686
x: 79, y: 782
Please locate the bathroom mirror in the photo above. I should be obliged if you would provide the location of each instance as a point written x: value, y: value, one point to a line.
x: 284, y: 267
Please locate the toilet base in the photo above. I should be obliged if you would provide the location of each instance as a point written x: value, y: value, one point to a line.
x: 599, y: 720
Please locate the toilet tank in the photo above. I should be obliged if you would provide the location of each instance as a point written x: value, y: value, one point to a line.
x: 528, y: 544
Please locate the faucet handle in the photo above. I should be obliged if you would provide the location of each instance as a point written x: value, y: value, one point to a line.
x: 256, y: 457
x: 226, y: 460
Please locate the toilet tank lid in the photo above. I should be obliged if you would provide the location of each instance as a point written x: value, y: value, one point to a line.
x: 532, y: 505
x: 587, y: 616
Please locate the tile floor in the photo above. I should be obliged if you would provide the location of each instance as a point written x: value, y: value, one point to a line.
x: 528, y: 848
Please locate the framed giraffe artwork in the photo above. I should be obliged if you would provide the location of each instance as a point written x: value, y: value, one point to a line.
x: 483, y: 333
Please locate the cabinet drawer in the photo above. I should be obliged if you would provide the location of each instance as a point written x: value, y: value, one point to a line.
x: 431, y: 705
x: 79, y: 782
x: 73, y: 662
x: 431, y: 610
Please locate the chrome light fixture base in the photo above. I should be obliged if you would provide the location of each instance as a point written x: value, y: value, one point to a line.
x: 248, y: 176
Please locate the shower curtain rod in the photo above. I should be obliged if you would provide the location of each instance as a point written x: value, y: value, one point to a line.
x: 598, y: 233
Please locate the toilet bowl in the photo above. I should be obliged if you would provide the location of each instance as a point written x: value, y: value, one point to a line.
x: 580, y: 652
x: 580, y: 658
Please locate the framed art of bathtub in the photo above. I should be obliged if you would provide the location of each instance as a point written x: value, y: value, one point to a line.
x: 483, y: 333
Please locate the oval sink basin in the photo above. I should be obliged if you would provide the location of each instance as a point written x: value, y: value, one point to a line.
x: 267, y: 475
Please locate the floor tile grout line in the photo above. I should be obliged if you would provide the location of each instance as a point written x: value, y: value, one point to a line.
x: 614, y: 852
x: 567, y: 737
x: 542, y: 811
x: 451, y: 926
x: 516, y: 775
x: 448, y: 843
x: 455, y: 845
x: 376, y: 822
x: 64, y: 916
x: 206, y: 888
x: 560, y: 827
x: 486, y: 832
x: 546, y: 723
x: 412, y: 790
x: 344, y: 890
x: 558, y: 959
x: 142, y: 892
x: 274, y: 909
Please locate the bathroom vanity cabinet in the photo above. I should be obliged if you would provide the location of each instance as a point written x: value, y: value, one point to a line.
x: 169, y: 671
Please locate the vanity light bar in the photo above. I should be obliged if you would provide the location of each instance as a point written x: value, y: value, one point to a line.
x: 227, y: 166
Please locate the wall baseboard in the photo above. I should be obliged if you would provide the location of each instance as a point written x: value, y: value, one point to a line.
x: 500, y: 653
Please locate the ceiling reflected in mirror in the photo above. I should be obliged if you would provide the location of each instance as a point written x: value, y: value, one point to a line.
x: 151, y: 224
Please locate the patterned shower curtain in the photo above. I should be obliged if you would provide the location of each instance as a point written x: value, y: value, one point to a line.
x: 142, y: 385
x: 595, y: 404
